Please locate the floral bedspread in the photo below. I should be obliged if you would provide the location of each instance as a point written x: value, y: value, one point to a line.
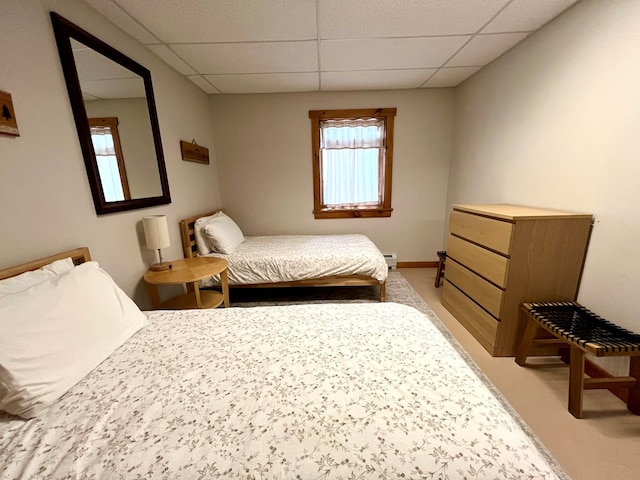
x: 349, y: 391
x: 284, y: 258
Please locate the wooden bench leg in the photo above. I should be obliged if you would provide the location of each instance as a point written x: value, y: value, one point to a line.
x: 564, y: 354
x: 439, y: 272
x: 633, y: 400
x: 526, y: 343
x: 576, y: 381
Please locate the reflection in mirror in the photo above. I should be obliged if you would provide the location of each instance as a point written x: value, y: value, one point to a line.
x: 108, y: 149
x: 112, y: 101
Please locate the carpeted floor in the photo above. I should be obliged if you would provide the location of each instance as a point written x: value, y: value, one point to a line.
x: 399, y: 291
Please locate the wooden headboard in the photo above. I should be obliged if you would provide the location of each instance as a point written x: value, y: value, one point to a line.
x: 187, y: 232
x: 78, y: 255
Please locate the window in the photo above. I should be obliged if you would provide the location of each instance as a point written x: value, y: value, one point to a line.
x: 352, y: 160
x: 106, y: 145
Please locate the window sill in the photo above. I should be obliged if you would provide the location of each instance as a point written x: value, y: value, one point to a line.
x: 353, y: 213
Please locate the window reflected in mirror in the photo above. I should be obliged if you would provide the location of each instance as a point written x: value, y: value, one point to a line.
x: 106, y: 145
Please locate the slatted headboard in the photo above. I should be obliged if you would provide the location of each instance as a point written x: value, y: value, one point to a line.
x: 78, y: 255
x: 187, y: 232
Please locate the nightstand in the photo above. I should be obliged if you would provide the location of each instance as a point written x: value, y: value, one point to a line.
x: 189, y: 271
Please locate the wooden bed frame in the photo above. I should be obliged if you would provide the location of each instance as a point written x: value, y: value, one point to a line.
x: 78, y: 255
x: 190, y: 250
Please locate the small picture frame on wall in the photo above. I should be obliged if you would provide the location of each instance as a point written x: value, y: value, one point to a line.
x: 8, y: 123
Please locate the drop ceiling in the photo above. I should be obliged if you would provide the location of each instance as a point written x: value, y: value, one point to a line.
x: 268, y: 46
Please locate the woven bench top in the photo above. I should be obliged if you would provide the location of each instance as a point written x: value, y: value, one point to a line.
x: 578, y: 326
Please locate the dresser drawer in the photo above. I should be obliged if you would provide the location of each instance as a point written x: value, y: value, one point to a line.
x: 481, y: 325
x: 485, y: 263
x: 482, y: 292
x: 491, y: 233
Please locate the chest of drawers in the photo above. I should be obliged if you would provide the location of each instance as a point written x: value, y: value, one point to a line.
x: 499, y: 256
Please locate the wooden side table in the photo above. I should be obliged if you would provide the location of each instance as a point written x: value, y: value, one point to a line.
x: 190, y: 271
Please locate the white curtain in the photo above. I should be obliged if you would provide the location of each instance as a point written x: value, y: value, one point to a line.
x: 107, y: 163
x: 350, y: 161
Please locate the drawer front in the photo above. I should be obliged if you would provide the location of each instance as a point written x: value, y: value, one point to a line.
x: 491, y: 233
x: 486, y: 294
x: 485, y: 263
x: 479, y: 323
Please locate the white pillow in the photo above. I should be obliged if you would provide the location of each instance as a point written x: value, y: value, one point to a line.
x: 223, y: 234
x: 198, y: 231
x: 54, y: 333
x: 25, y: 280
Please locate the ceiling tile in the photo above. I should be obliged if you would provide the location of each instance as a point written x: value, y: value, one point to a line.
x: 88, y: 97
x: 527, y: 15
x: 122, y: 88
x: 403, y: 18
x: 265, y: 83
x: 121, y: 18
x: 172, y: 59
x: 374, y: 80
x: 202, y: 83
x: 250, y: 57
x: 388, y: 53
x: 290, y: 45
x: 483, y: 49
x: 194, y: 21
x: 92, y: 65
x: 450, y: 77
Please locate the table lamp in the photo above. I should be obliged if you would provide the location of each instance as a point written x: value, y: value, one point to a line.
x: 156, y: 233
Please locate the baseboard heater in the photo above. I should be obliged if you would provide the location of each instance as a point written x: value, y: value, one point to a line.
x: 392, y: 260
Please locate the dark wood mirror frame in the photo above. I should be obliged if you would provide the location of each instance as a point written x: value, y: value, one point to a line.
x: 64, y: 31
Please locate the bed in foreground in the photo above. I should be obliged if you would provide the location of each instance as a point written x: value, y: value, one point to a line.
x: 284, y: 260
x: 331, y: 391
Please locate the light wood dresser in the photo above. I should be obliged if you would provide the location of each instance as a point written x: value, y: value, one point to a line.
x: 500, y: 256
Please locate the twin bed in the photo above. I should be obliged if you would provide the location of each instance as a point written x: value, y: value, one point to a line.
x: 294, y: 260
x: 329, y: 391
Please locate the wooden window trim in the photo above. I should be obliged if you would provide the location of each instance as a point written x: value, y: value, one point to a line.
x: 112, y: 123
x: 382, y: 210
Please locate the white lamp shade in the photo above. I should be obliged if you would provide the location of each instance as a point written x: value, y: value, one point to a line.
x: 156, y: 231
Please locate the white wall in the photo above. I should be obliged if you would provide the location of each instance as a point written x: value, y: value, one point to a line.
x: 45, y: 200
x: 555, y: 123
x: 263, y: 144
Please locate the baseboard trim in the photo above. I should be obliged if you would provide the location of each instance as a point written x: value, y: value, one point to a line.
x: 417, y: 264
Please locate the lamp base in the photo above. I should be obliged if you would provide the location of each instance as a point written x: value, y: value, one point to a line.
x: 160, y: 267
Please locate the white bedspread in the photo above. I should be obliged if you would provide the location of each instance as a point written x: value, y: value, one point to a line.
x: 350, y: 391
x: 285, y: 258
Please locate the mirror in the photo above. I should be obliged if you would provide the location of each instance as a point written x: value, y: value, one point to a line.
x: 114, y: 110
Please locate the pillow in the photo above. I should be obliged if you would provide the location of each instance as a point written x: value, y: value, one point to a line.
x: 54, y: 333
x: 201, y: 242
x: 223, y: 234
x: 21, y: 282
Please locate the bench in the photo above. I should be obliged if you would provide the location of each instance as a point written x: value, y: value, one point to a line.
x: 572, y: 325
x: 442, y: 258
